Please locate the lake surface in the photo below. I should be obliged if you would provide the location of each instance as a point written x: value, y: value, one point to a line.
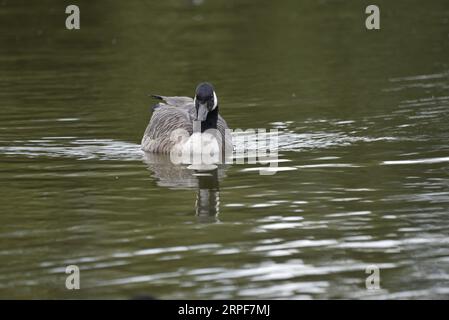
x: 363, y: 173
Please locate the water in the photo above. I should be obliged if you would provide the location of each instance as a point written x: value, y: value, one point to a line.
x: 364, y: 156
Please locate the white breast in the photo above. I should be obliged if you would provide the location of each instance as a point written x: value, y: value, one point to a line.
x: 198, y: 149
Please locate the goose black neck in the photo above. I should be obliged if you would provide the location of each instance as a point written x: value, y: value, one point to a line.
x: 211, y: 120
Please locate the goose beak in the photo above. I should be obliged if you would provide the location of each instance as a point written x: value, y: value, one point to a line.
x: 201, y: 112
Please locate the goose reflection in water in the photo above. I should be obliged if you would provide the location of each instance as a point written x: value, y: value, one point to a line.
x: 169, y: 175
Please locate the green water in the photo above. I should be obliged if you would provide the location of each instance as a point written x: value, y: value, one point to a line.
x: 364, y: 130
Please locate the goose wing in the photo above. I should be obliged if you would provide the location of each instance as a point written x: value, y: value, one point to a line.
x: 174, y: 113
x: 174, y: 101
x: 182, y: 103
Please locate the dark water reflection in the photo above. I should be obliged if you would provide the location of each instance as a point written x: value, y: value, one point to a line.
x: 206, y: 182
x: 362, y: 177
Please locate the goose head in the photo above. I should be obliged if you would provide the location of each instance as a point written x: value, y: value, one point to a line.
x: 205, y: 101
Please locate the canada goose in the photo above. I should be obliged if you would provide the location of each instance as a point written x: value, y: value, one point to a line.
x: 180, y: 113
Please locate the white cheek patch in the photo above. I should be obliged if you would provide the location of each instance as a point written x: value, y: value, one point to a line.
x: 194, y: 100
x: 215, y: 101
